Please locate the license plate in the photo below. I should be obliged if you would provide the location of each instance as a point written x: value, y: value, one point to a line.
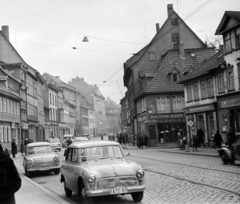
x: 118, y: 191
x: 44, y: 169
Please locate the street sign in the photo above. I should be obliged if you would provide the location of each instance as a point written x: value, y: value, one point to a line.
x: 190, y: 123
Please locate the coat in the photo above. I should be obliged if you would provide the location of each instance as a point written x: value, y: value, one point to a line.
x: 14, y: 147
x: 10, y: 181
x: 200, y: 136
x: 195, y: 141
x: 218, y: 139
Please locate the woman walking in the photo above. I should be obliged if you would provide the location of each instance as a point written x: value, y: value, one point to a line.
x: 14, y: 148
x: 218, y: 140
x: 195, y: 142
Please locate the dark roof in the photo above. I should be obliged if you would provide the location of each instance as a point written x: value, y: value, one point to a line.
x: 227, y: 15
x: 216, y: 61
x: 171, y: 61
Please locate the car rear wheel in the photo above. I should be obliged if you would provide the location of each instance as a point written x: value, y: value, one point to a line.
x: 137, y: 197
x: 225, y: 158
x: 68, y: 192
x: 85, y: 198
x: 28, y: 174
x: 57, y: 171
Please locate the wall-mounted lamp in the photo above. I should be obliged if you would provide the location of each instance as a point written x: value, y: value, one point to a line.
x: 85, y: 39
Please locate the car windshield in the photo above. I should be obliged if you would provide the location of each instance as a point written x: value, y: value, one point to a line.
x: 104, y: 152
x: 39, y: 149
x: 54, y: 140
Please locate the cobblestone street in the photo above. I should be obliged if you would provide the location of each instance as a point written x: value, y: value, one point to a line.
x: 170, y: 178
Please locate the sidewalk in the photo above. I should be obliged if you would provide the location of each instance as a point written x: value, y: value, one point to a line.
x: 210, y: 152
x: 31, y: 192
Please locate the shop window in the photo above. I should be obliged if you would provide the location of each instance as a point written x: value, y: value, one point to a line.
x: 195, y: 91
x: 9, y: 134
x: 203, y: 90
x: 220, y: 82
x: 230, y: 79
x: 210, y: 88
x: 1, y: 105
x: 189, y: 93
x: 227, y: 43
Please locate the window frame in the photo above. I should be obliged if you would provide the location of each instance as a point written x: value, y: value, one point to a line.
x: 174, y: 21
x: 227, y: 42
x: 175, y: 37
x: 189, y: 93
x: 220, y: 83
x: 237, y: 37
x: 195, y: 92
x: 202, y: 91
x: 152, y: 56
x: 230, y: 83
x: 210, y: 92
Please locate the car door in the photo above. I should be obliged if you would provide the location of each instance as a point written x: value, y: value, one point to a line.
x: 73, y: 170
x: 66, y: 167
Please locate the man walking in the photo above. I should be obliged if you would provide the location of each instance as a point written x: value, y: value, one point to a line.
x: 200, y: 136
x: 14, y: 148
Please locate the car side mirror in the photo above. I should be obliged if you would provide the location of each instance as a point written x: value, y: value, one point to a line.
x: 128, y: 154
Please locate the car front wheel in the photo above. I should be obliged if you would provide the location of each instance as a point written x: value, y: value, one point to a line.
x: 85, y: 198
x: 57, y: 171
x: 137, y: 197
x: 28, y: 174
x: 68, y: 192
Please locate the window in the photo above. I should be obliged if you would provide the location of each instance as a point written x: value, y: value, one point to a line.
x: 220, y: 82
x: 55, y: 100
x: 50, y: 97
x: 152, y: 56
x: 18, y: 110
x: 11, y: 104
x: 163, y: 104
x: 1, y: 105
x: 189, y: 93
x: 238, y: 81
x: 178, y: 103
x: 238, y: 37
x: 230, y: 79
x: 175, y: 46
x: 1, y: 133
x: 195, y: 91
x: 69, y: 154
x: 227, y: 43
x: 174, y: 77
x: 15, y: 109
x: 4, y: 105
x: 75, y: 155
x: 175, y: 37
x: 143, y: 105
x: 174, y: 21
x: 203, y: 89
x: 8, y: 106
x: 210, y: 88
x: 5, y: 133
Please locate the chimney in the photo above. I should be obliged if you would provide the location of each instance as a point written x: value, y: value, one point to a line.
x: 157, y: 27
x: 5, y: 31
x: 181, y: 49
x: 169, y: 9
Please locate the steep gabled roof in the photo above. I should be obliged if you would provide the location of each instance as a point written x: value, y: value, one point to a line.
x: 157, y: 36
x: 162, y: 82
x: 111, y: 105
x: 216, y: 61
x: 11, y: 76
x: 228, y: 15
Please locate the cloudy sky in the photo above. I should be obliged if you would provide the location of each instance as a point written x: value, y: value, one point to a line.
x: 44, y: 33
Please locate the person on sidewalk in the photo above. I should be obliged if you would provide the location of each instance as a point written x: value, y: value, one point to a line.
x: 14, y: 148
x: 230, y: 138
x: 195, y: 142
x: 200, y: 136
x: 218, y: 140
x: 22, y: 147
x: 10, y: 181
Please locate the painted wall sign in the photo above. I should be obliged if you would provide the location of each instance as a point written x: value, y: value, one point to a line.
x: 172, y: 115
x: 11, y: 118
x: 230, y: 103
x: 199, y: 108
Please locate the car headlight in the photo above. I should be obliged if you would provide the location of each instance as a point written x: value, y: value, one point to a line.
x: 56, y: 159
x: 29, y: 161
x: 140, y: 173
x: 91, y: 178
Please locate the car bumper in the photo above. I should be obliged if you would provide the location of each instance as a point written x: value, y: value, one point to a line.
x: 44, y: 168
x: 104, y: 192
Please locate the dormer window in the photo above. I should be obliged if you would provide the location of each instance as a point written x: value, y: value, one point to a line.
x: 152, y: 56
x: 175, y: 77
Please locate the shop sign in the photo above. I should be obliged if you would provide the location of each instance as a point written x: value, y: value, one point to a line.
x: 199, y: 109
x: 190, y: 123
x: 23, y: 105
x: 160, y: 116
x: 230, y: 103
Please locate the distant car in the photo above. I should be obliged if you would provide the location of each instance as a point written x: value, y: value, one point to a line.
x: 64, y: 143
x: 99, y: 168
x: 39, y: 156
x: 79, y: 139
x: 56, y: 144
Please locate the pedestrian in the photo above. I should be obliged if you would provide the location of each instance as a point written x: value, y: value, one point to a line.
x: 218, y: 140
x: 22, y: 147
x: 140, y: 141
x: 121, y: 138
x: 10, y: 181
x: 195, y: 141
x: 69, y: 141
x: 230, y: 137
x: 7, y: 152
x: 200, y: 137
x: 146, y: 140
x: 14, y: 148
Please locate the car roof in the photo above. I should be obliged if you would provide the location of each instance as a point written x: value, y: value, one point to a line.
x: 80, y: 138
x: 34, y: 144
x: 93, y: 144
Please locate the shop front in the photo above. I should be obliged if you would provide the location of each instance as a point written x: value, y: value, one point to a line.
x: 202, y: 117
x: 229, y: 114
x: 164, y: 128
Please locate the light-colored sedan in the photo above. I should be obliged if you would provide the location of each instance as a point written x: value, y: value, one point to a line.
x: 39, y: 156
x: 99, y: 168
x: 56, y: 144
